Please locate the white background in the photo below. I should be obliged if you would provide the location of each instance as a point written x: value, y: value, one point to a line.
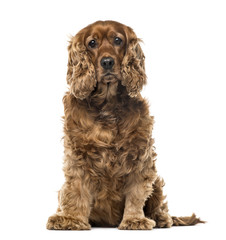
x: 185, y: 48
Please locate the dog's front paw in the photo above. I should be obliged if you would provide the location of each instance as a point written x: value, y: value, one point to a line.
x: 137, y: 224
x: 57, y: 222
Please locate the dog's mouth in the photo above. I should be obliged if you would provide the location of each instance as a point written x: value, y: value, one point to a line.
x: 109, y: 78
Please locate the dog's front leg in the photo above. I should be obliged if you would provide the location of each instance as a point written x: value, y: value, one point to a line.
x: 136, y: 194
x: 74, y: 208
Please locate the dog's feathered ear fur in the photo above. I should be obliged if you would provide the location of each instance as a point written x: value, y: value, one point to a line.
x: 81, y: 73
x: 133, y: 65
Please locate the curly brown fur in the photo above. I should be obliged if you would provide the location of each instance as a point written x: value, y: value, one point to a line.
x: 109, y: 163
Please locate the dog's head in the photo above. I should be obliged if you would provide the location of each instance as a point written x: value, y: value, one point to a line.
x: 104, y: 54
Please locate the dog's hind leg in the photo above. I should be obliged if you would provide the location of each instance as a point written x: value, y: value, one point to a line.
x: 155, y: 207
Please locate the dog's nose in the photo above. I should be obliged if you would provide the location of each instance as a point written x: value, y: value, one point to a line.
x: 107, y: 62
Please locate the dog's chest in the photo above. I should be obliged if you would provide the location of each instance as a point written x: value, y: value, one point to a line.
x: 109, y: 142
x: 104, y: 130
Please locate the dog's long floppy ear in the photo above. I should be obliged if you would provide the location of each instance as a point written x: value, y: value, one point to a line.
x: 81, y: 73
x: 133, y: 65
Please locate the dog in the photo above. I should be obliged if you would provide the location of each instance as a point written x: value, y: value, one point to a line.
x: 109, y: 164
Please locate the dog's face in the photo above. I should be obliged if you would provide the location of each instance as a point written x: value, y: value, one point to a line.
x: 107, y: 47
x: 102, y: 56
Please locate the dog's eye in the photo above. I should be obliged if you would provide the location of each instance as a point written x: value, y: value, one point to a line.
x: 92, y: 43
x: 117, y: 41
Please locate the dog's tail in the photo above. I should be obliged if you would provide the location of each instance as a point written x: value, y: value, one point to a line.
x: 186, y: 221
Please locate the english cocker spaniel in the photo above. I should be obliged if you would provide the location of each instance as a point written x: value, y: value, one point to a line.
x: 109, y: 163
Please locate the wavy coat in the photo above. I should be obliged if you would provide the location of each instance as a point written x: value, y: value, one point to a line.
x: 109, y: 163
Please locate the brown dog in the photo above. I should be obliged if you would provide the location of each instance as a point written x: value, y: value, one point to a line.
x: 109, y: 164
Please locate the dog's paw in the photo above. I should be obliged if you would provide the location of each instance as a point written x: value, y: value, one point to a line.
x: 137, y: 224
x: 57, y: 222
x: 164, y: 220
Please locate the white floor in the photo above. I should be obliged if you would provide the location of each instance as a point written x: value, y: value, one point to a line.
x: 30, y: 231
